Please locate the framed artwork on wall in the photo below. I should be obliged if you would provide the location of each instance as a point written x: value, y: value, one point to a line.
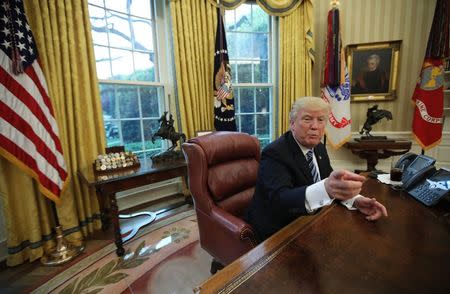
x: 373, y: 70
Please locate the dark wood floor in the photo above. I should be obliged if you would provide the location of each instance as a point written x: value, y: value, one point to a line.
x: 25, y: 277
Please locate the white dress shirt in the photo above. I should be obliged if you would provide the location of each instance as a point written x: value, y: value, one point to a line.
x: 316, y: 195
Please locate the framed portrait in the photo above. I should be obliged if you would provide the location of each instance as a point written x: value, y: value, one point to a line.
x: 373, y: 70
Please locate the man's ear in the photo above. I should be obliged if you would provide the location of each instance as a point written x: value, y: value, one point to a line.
x: 291, y: 125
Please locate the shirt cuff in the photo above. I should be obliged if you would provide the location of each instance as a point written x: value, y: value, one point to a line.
x: 349, y: 202
x: 316, y: 197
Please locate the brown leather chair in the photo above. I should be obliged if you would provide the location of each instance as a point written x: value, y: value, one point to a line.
x: 222, y: 169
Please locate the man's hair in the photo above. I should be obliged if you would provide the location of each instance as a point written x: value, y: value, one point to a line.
x: 375, y: 57
x: 310, y: 102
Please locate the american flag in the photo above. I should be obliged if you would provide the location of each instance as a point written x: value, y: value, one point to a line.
x: 28, y: 130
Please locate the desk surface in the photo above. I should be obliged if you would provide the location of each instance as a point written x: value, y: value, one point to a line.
x: 338, y: 251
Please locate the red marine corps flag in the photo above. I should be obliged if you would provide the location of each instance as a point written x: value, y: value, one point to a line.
x: 224, y: 116
x: 28, y: 130
x: 336, y: 84
x: 428, y: 97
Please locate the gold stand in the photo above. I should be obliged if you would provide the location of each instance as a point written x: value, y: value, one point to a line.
x: 64, y: 252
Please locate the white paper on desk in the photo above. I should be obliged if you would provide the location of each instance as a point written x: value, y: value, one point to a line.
x: 386, y: 179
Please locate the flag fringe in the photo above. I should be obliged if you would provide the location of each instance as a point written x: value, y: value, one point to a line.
x: 340, y: 144
x: 29, y: 171
x: 421, y: 144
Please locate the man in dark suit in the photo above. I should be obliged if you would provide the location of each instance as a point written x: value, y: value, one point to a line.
x: 295, y: 176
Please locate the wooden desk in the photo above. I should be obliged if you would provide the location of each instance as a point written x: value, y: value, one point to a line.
x: 338, y: 251
x: 107, y: 185
x: 378, y: 149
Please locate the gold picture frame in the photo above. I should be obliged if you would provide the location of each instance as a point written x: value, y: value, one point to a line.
x: 373, y: 70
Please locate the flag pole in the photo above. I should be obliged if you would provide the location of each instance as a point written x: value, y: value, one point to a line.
x: 63, y: 252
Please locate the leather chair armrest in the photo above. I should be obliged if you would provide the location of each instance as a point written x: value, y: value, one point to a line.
x: 236, y: 226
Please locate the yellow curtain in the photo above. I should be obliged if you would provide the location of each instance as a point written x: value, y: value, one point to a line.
x: 193, y: 26
x: 62, y: 32
x: 296, y: 51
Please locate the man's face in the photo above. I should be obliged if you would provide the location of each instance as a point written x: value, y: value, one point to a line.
x: 309, y: 126
x: 372, y: 64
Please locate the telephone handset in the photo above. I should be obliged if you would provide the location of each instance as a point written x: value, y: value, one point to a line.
x: 422, y: 166
x: 405, y: 160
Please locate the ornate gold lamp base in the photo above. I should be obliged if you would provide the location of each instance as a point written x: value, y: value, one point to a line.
x: 64, y: 252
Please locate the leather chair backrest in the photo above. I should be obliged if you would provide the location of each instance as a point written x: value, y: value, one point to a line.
x: 232, y: 161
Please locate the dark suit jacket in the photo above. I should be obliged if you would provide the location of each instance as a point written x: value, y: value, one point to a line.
x: 281, y: 184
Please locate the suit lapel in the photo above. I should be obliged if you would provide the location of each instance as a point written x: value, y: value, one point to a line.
x: 299, y: 159
x: 320, y: 160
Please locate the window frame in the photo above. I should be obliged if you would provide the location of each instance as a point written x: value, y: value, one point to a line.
x: 163, y: 75
x: 271, y: 84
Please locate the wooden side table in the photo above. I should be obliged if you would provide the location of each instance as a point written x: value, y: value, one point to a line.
x: 107, y: 185
x: 372, y: 150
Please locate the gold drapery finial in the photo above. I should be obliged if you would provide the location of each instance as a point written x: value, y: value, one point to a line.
x: 334, y: 3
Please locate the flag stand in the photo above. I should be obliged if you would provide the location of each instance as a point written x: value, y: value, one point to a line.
x: 63, y: 252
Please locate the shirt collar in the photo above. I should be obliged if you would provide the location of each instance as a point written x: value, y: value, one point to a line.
x: 303, y: 148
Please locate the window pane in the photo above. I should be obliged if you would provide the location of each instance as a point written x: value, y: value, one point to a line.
x: 149, y: 101
x: 122, y: 64
x: 141, y: 8
x: 262, y: 100
x: 96, y: 2
x: 150, y: 127
x: 108, y: 97
x: 241, y: 45
x: 98, y: 25
x: 233, y: 72
x: 260, y: 19
x: 261, y: 72
x: 229, y: 20
x: 131, y: 132
x: 244, y: 72
x: 264, y: 142
x: 142, y: 34
x: 144, y: 67
x: 263, y: 125
x: 243, y: 17
x: 112, y: 132
x: 248, y: 123
x: 119, y: 30
x: 260, y: 46
x: 102, y: 62
x: 246, y: 101
x: 128, y: 102
x: 237, y: 99
x: 118, y: 5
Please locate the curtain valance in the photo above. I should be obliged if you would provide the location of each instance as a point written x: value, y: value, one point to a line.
x: 272, y: 7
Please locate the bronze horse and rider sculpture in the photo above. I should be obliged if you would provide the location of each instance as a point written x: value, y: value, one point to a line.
x: 374, y: 115
x: 167, y: 131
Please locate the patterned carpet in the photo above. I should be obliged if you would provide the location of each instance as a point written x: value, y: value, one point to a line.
x: 165, y: 258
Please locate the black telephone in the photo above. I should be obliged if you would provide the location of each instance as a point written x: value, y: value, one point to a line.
x: 430, y: 190
x: 421, y: 180
x: 419, y: 168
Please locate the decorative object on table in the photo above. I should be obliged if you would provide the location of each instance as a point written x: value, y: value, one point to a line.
x: 374, y: 115
x: 115, y: 161
x: 373, y: 69
x: 167, y: 131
